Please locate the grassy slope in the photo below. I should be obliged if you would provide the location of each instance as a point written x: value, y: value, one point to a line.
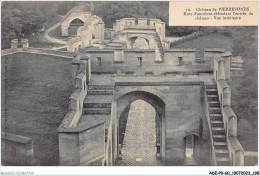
x: 247, y: 134
x: 37, y: 101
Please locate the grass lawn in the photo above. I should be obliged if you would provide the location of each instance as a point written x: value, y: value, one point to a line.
x: 215, y: 40
x: 38, y: 90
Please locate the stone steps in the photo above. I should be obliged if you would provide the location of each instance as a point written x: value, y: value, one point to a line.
x: 97, y: 105
x: 88, y: 111
x: 100, y: 87
x: 214, y: 104
x: 217, y: 123
x: 214, y: 110
x: 159, y: 47
x: 222, y: 161
x: 219, y: 138
x: 212, y: 97
x: 218, y: 130
x: 235, y: 69
x: 212, y: 91
x: 210, y: 87
x: 215, y: 117
x: 98, y: 100
x: 217, y: 126
x: 100, y: 92
x: 222, y: 153
x: 220, y: 145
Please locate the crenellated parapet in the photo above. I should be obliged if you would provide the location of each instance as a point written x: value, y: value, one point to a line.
x: 140, y: 23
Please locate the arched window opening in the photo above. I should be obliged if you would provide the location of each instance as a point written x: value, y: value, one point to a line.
x: 141, y: 43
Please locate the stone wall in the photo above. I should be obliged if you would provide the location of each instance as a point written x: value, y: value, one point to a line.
x: 80, y: 143
x: 91, y: 33
x: 82, y: 148
x: 108, y: 33
x: 17, y: 150
x: 212, y: 53
x: 24, y: 43
x: 91, y: 145
x: 128, y: 61
x: 83, y: 16
x: 185, y: 116
x: 140, y: 23
x: 186, y: 38
x: 182, y: 115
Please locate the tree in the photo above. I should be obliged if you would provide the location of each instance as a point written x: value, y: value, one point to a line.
x: 11, y: 26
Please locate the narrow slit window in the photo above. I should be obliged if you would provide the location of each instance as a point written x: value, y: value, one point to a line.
x: 139, y: 61
x: 99, y: 61
x: 180, y: 59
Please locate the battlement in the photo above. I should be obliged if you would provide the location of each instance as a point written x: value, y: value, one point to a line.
x: 139, y: 23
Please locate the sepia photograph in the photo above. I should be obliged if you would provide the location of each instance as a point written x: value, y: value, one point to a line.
x: 115, y: 83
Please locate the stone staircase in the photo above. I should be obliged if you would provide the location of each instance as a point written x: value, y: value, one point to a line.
x: 98, y: 100
x: 159, y: 48
x: 115, y: 36
x: 217, y: 127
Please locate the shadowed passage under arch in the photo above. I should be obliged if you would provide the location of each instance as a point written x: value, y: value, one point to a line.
x: 139, y: 132
x: 74, y: 25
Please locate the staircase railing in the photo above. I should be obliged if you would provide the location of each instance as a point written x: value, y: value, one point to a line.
x: 159, y: 52
x: 110, y: 151
x: 221, y: 76
x: 212, y: 148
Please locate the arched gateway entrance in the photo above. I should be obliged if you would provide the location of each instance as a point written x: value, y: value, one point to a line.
x: 74, y: 25
x: 139, y: 135
x: 140, y: 129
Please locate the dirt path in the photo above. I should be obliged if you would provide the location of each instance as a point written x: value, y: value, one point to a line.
x: 51, y: 39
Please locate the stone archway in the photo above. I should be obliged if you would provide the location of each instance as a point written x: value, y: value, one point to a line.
x: 141, y: 43
x: 74, y: 25
x: 158, y: 105
x: 139, y: 135
x: 152, y: 39
x: 134, y: 42
x: 191, y: 154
